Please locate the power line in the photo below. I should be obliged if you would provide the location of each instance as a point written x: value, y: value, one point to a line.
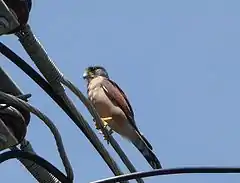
x: 36, y: 159
x: 38, y: 172
x: 157, y: 172
x: 9, y: 99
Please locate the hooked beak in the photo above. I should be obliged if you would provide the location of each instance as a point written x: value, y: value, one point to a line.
x: 85, y: 75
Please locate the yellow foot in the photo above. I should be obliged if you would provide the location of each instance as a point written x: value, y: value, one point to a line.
x: 109, y: 132
x: 105, y: 122
x: 105, y: 125
x: 106, y: 119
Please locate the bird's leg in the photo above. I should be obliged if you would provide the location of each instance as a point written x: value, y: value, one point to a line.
x: 105, y: 122
x: 105, y: 125
x: 107, y: 119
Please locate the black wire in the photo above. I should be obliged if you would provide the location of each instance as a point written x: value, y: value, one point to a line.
x: 13, y: 57
x: 36, y: 159
x: 186, y: 170
x: 36, y: 77
x: 23, y: 97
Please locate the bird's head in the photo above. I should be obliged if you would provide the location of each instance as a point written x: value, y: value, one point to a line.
x: 93, y: 72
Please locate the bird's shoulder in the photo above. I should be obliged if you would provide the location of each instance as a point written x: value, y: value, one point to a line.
x: 124, y: 97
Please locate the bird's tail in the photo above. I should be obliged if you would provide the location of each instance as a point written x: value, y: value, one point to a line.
x: 145, y: 148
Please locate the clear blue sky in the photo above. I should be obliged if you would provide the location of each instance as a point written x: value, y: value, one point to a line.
x: 178, y: 62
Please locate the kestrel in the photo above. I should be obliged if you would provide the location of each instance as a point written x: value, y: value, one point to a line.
x: 115, y: 110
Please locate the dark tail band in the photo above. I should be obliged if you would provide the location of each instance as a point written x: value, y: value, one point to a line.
x: 146, y: 149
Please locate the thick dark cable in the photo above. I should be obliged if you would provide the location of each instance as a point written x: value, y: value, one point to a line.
x: 38, y: 172
x: 36, y: 159
x: 171, y: 171
x: 44, y: 85
x: 10, y: 99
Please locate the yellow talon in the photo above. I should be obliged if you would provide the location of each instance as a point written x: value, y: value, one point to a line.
x: 105, y: 124
x: 106, y: 119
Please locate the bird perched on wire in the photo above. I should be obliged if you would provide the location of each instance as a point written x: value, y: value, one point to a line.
x: 115, y: 110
